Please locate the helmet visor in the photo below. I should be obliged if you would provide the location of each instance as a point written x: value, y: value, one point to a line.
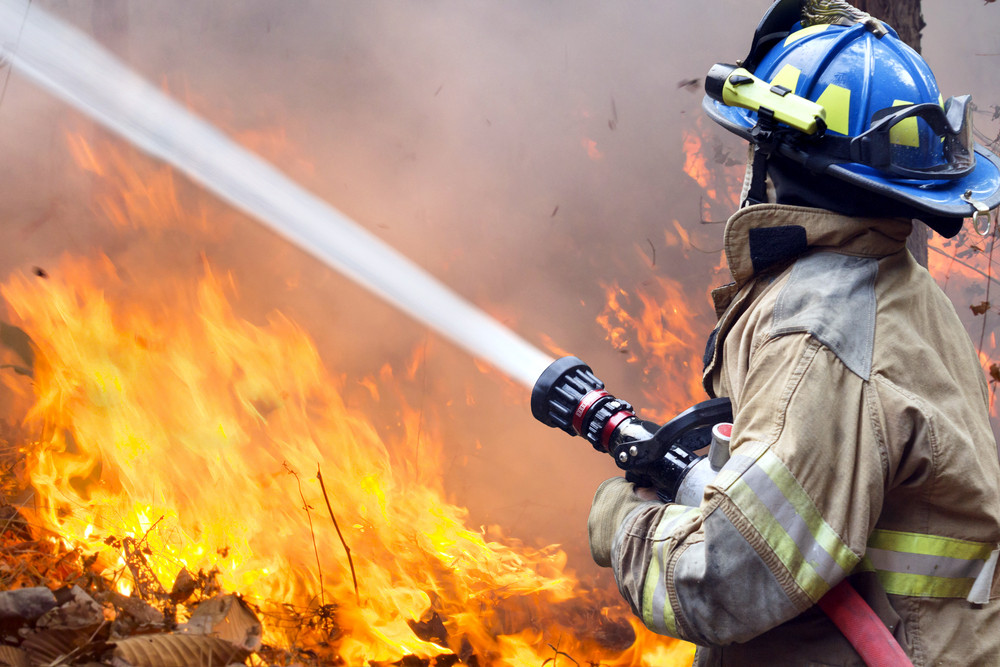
x: 922, y: 141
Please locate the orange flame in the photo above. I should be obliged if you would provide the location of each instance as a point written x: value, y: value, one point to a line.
x: 661, y: 323
x: 965, y: 267
x: 722, y: 178
x: 167, y: 418
x: 593, y: 152
x: 694, y: 162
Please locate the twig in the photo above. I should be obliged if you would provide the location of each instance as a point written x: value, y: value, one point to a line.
x: 148, y: 531
x: 62, y: 660
x: 653, y: 248
x: 558, y: 653
x: 701, y: 215
x: 312, y: 533
x: 347, y: 549
x: 989, y: 268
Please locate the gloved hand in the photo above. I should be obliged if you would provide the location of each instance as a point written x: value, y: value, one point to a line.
x: 613, y: 501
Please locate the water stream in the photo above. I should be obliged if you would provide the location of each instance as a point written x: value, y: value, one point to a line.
x: 74, y: 68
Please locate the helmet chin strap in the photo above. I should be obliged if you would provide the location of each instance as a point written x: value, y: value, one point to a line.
x: 755, y: 180
x: 764, y: 140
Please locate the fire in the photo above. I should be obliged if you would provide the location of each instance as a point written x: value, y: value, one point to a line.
x: 695, y: 165
x: 721, y: 177
x: 593, y: 152
x: 179, y: 425
x: 659, y: 320
x: 175, y: 433
x: 965, y: 268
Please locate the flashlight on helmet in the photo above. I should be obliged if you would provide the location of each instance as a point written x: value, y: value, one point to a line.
x: 568, y: 396
x: 737, y: 87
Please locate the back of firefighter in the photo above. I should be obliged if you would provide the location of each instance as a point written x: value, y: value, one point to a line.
x: 861, y: 448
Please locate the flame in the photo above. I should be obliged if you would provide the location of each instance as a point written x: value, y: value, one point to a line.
x: 965, y: 268
x: 694, y: 162
x: 658, y: 319
x: 593, y: 152
x: 721, y: 178
x: 206, y: 442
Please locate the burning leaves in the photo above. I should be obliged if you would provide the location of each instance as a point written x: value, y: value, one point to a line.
x: 55, y: 611
x: 150, y: 437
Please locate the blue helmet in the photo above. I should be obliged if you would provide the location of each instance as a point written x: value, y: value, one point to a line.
x: 886, y: 128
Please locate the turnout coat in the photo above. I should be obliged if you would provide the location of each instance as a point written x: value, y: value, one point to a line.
x: 861, y: 448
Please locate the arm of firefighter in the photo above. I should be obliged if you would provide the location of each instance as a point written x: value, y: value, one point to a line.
x: 786, y: 519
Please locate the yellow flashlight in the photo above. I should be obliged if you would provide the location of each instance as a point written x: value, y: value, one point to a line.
x: 737, y: 87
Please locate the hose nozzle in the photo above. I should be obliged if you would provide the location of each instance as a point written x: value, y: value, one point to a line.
x: 568, y: 396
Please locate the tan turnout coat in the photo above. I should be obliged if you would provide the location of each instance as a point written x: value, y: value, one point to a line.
x: 861, y: 448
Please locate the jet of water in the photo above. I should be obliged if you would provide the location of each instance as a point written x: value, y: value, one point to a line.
x: 70, y: 65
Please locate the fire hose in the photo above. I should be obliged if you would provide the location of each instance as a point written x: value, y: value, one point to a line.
x: 672, y: 459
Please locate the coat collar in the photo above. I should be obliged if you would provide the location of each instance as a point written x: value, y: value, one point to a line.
x: 760, y: 237
x: 769, y: 236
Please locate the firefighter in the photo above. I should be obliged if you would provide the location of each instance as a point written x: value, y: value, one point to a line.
x: 861, y: 446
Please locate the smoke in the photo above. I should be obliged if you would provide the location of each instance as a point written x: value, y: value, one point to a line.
x: 521, y: 151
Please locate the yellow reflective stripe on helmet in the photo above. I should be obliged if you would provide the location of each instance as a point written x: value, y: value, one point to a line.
x: 805, y: 32
x: 837, y: 102
x: 906, y: 132
x: 920, y: 565
x: 657, y: 612
x: 787, y: 77
x: 779, y: 508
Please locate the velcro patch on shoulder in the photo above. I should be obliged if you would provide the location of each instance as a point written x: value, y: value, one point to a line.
x: 773, y: 245
x: 832, y: 298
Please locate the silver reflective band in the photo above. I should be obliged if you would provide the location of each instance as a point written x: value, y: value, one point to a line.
x: 980, y: 593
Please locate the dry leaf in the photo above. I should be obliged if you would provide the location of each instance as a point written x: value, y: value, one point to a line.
x: 184, y: 586
x: 11, y: 656
x: 133, y: 615
x: 48, y: 646
x: 76, y: 611
x: 24, y: 605
x: 227, y: 617
x: 981, y: 308
x: 177, y: 650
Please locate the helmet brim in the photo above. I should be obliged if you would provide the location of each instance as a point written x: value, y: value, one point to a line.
x: 947, y: 199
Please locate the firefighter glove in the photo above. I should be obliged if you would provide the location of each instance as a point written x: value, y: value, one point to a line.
x: 614, y: 500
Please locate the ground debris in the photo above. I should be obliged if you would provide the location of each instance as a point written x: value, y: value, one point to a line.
x: 430, y: 629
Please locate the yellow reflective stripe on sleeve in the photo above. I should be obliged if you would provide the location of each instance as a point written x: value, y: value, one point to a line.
x: 920, y: 565
x: 922, y: 585
x: 657, y: 612
x: 930, y: 545
x: 775, y: 503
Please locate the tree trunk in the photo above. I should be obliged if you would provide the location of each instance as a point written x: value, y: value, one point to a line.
x: 906, y: 19
x: 903, y: 15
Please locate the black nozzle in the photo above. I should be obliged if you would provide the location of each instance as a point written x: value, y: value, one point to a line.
x: 569, y: 396
x: 559, y: 390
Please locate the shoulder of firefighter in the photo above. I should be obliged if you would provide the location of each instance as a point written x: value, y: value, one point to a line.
x: 861, y: 448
